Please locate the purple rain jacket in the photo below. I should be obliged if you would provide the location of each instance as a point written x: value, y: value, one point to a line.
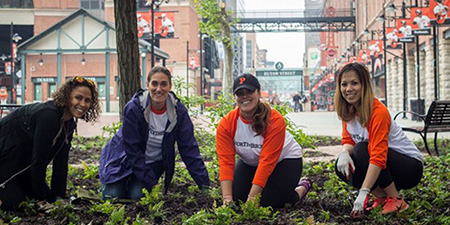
x: 125, y: 152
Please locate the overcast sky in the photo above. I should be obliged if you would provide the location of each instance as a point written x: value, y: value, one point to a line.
x: 284, y: 47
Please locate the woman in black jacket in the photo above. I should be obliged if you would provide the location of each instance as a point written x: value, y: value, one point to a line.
x: 34, y: 135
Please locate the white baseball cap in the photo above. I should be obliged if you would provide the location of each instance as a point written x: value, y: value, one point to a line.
x: 163, y: 15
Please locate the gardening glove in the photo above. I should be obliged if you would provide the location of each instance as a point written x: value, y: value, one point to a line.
x: 343, y: 164
x: 361, y: 202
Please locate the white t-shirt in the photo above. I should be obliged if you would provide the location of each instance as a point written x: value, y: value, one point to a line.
x: 248, y: 146
x: 156, y: 128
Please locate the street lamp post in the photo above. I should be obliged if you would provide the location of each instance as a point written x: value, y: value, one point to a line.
x: 14, y: 38
x: 153, y: 4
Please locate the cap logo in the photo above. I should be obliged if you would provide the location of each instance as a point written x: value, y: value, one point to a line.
x: 241, y: 80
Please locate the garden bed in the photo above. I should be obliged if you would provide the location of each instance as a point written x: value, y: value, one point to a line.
x: 329, y: 201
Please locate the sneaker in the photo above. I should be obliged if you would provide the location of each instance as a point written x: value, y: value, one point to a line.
x: 307, y: 184
x: 393, y: 204
x: 377, y: 202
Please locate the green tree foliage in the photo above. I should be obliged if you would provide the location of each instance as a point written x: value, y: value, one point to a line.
x: 217, y: 25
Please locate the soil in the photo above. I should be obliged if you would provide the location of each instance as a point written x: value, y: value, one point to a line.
x: 181, y: 202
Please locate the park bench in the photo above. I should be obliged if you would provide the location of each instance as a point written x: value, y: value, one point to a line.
x: 5, y: 109
x: 436, y: 120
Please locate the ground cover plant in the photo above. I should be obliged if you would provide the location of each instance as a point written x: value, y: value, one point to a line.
x: 329, y: 202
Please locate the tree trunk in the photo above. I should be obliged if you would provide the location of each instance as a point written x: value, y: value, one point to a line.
x: 229, y: 54
x: 127, y: 50
x: 227, y: 81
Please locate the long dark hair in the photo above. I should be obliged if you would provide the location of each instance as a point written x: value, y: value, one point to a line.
x: 344, y: 110
x: 61, y: 97
x: 261, y: 118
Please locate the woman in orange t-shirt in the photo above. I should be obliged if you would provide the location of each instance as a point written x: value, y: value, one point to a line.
x: 377, y: 157
x: 270, y: 160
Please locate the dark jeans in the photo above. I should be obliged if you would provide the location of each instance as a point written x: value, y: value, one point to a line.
x: 15, y: 191
x: 404, y: 171
x: 130, y: 187
x: 279, y: 187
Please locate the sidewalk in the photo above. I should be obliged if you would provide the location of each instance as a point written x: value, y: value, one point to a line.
x: 312, y: 123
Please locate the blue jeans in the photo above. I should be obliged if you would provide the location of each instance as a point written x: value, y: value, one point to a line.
x: 130, y: 187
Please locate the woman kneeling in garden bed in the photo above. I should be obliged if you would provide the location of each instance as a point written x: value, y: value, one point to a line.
x: 34, y: 135
x: 270, y: 160
x: 376, y: 156
x: 144, y: 147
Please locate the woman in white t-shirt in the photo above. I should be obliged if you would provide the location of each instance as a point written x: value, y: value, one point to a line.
x: 270, y: 160
x: 377, y: 157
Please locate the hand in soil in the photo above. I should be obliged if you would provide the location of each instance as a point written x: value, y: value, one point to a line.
x: 227, y: 199
x: 44, y: 206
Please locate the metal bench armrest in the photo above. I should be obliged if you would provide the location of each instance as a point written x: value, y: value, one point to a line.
x: 422, y: 117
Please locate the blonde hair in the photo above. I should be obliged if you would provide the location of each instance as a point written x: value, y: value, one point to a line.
x: 346, y: 111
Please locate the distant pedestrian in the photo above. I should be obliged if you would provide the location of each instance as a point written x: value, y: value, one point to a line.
x: 144, y: 147
x: 270, y: 160
x: 34, y: 135
x: 297, y: 104
x: 377, y: 157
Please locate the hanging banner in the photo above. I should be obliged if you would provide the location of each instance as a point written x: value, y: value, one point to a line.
x: 376, y: 48
x: 392, y: 38
x: 420, y: 21
x: 364, y: 56
x: 440, y: 11
x: 404, y: 27
x: 164, y: 25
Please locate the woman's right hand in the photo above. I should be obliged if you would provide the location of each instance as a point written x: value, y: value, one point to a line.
x: 227, y: 199
x: 345, y: 164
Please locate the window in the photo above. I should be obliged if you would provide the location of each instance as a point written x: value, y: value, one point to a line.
x: 51, y: 90
x: 37, y: 92
x: 101, y: 90
x: 16, y: 3
x: 92, y: 4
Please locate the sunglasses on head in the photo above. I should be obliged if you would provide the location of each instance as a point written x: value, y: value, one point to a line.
x: 79, y: 79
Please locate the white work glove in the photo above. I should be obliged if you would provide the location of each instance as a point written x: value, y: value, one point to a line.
x: 343, y: 163
x: 361, y: 202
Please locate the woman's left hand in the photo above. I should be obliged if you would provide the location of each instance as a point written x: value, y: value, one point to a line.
x: 361, y: 202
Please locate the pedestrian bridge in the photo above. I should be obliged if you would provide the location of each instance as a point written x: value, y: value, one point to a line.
x: 295, y: 21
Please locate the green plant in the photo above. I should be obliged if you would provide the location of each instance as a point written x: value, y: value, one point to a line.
x: 200, y: 217
x: 221, y: 106
x: 191, y: 101
x: 118, y: 217
x: 110, y: 131
x: 251, y: 210
x: 151, y: 198
x: 140, y: 221
x: 106, y: 208
x: 224, y: 215
x: 90, y: 172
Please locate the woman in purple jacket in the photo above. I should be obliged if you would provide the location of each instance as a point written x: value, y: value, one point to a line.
x: 144, y: 147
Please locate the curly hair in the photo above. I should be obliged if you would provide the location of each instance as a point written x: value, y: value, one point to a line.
x: 61, y: 97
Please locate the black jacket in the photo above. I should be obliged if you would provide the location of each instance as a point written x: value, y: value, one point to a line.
x: 30, y: 137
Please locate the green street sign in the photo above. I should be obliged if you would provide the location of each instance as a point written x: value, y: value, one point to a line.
x: 279, y: 66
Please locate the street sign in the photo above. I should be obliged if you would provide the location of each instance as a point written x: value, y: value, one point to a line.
x: 279, y: 66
